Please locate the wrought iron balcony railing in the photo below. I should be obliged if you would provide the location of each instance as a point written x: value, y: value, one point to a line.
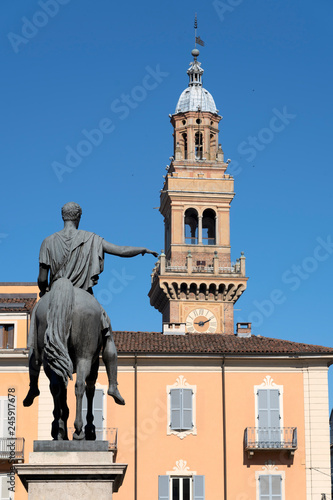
x: 270, y: 438
x: 11, y: 449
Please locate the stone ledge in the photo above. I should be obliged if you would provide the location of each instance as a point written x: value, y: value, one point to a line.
x: 99, y: 473
x: 71, y: 446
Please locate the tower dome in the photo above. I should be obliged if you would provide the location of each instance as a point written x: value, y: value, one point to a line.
x: 195, y: 97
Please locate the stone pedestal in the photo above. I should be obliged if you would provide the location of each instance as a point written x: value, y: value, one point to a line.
x: 67, y: 470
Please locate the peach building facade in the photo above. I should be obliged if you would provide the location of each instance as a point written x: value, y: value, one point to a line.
x: 207, y: 416
x: 210, y: 413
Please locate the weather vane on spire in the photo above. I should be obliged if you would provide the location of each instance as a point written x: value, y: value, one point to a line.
x: 197, y: 39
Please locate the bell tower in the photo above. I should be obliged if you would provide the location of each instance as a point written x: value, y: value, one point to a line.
x: 194, y: 284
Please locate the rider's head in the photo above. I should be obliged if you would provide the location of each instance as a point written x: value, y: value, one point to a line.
x: 71, y: 211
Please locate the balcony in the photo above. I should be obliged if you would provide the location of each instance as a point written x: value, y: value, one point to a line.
x: 164, y: 266
x: 12, y: 449
x: 270, y: 439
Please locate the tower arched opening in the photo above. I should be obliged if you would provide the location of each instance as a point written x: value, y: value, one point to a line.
x: 184, y: 136
x: 191, y: 226
x: 209, y: 227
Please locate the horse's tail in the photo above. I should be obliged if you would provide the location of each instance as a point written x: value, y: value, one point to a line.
x: 59, y: 323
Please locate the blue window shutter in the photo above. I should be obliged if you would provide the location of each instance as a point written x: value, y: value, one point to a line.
x: 274, y: 406
x: 263, y: 408
x: 163, y: 487
x: 97, y: 411
x: 187, y: 416
x: 198, y: 487
x: 175, y: 409
x: 263, y: 417
x: 274, y: 410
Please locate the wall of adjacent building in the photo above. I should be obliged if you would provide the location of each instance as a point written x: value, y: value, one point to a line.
x: 305, y: 406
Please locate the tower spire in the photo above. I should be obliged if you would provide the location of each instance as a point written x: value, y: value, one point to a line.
x: 197, y: 39
x: 195, y: 30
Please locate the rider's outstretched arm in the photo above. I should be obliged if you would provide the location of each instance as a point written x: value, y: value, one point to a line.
x: 122, y: 251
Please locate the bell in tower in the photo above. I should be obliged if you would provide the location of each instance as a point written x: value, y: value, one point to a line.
x: 195, y: 285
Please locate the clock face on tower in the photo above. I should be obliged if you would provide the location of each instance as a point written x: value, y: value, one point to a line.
x: 201, y: 321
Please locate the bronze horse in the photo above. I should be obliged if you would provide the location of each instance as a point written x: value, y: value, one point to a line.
x: 69, y: 343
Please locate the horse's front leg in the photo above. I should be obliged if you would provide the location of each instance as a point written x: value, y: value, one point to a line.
x: 83, y: 369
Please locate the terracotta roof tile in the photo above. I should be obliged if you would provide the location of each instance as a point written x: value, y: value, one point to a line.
x: 17, y: 304
x: 157, y: 343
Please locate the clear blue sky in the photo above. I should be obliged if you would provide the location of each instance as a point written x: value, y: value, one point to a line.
x: 71, y: 72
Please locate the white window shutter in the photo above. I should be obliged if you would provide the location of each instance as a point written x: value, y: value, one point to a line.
x: 270, y: 487
x: 4, y: 492
x: 4, y: 417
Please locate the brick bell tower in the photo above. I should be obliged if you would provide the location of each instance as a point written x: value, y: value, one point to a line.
x: 194, y: 284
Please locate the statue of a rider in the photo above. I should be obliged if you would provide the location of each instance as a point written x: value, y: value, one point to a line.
x: 78, y: 256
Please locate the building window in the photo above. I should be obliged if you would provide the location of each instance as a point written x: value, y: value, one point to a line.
x: 198, y: 146
x: 181, y: 488
x: 270, y: 482
x: 4, y: 417
x: 269, y: 414
x: 4, y: 492
x: 98, y: 411
x: 270, y: 487
x: 208, y: 227
x: 269, y: 418
x: 191, y: 226
x: 181, y: 409
x: 6, y: 336
x: 181, y: 406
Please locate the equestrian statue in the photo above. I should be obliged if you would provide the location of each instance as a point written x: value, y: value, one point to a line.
x: 69, y: 327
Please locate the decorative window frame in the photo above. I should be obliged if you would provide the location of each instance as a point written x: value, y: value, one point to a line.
x: 267, y: 384
x: 12, y: 320
x: 181, y: 469
x: 270, y: 469
x: 181, y: 383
